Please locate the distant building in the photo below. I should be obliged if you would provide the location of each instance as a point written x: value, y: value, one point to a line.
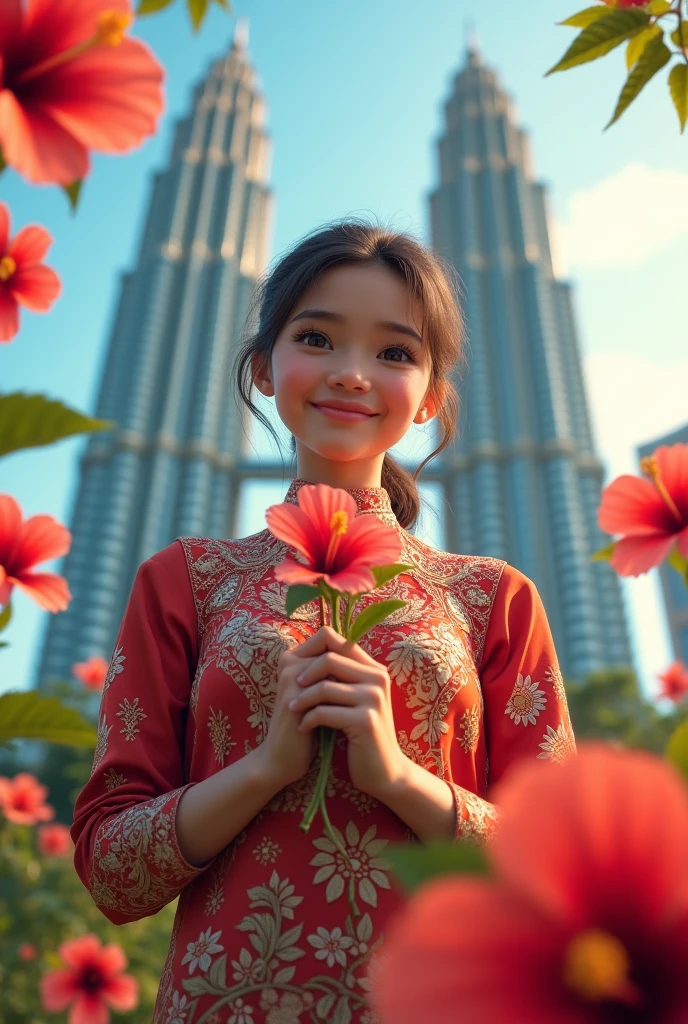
x: 674, y: 591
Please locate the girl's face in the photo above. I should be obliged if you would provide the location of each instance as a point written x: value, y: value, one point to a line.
x: 350, y: 351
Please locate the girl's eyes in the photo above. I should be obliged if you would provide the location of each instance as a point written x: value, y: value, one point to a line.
x: 306, y: 331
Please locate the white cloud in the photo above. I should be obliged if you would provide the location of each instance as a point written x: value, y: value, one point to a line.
x: 634, y: 400
x: 622, y: 220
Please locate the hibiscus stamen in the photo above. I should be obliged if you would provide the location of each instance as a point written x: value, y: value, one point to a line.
x: 650, y: 467
x: 7, y: 267
x: 339, y: 523
x: 596, y: 966
x: 110, y: 30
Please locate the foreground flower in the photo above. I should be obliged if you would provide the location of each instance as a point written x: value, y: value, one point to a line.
x: 674, y: 682
x: 91, y: 672
x: 23, y: 278
x: 22, y: 800
x: 339, y: 546
x: 71, y: 81
x: 22, y: 546
x: 585, y: 920
x: 27, y: 952
x: 91, y: 982
x: 651, y: 515
x: 54, y: 840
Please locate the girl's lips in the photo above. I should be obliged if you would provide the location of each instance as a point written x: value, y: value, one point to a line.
x: 341, y: 414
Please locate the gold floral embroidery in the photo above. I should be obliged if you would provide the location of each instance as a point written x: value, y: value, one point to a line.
x: 470, y: 723
x: 219, y: 728
x: 114, y: 779
x: 483, y: 817
x: 116, y: 666
x: 554, y: 677
x: 363, y: 856
x: 559, y: 744
x: 131, y: 714
x: 101, y: 742
x: 266, y: 851
x: 526, y: 701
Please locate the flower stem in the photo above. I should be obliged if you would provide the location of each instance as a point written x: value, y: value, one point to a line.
x: 321, y: 781
x: 332, y: 836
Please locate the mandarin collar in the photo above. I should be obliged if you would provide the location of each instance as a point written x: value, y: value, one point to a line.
x: 370, y: 500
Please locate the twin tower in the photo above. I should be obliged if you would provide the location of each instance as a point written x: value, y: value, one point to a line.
x: 522, y: 481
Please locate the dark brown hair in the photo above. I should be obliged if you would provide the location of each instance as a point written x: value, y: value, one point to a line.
x: 429, y: 278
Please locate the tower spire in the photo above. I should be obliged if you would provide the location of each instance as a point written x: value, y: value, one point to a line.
x: 241, y: 32
x: 472, y: 45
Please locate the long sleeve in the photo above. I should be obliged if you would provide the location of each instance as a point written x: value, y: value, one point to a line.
x: 126, y: 850
x: 525, y: 708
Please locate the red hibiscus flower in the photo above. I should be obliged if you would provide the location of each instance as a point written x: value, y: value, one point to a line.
x: 22, y: 800
x: 652, y: 516
x: 71, y: 82
x: 54, y: 840
x: 585, y: 921
x: 25, y: 544
x: 674, y: 682
x: 91, y: 672
x: 23, y: 278
x: 92, y: 981
x: 27, y: 951
x: 338, y: 545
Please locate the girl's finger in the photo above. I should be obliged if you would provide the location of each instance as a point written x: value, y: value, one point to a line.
x: 334, y: 715
x: 327, y: 639
x: 328, y: 691
x: 344, y: 668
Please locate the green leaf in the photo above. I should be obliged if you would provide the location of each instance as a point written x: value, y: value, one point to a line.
x: 198, y: 10
x: 658, y: 7
x: 372, y: 616
x: 677, y: 748
x: 299, y: 594
x: 151, y: 6
x: 73, y: 192
x: 384, y: 573
x: 29, y: 715
x: 638, y: 43
x: 586, y: 17
x: 679, y: 563
x: 678, y: 87
x: 681, y: 38
x: 604, y: 554
x: 415, y: 864
x: 27, y: 421
x: 3, y: 165
x: 653, y: 58
x: 225, y: 4
x: 602, y: 36
x: 5, y: 616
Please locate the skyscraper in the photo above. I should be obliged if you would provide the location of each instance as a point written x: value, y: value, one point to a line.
x: 164, y: 471
x: 674, y: 590
x: 523, y: 481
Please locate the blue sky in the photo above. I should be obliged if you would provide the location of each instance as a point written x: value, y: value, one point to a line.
x: 355, y: 98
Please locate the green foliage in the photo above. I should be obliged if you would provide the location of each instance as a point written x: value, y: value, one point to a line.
x: 372, y: 616
x: 5, y: 616
x: 601, y: 36
x: 197, y: 9
x: 604, y: 554
x: 652, y: 59
x: 679, y: 563
x: 416, y: 863
x: 677, y: 748
x: 30, y: 715
x: 73, y: 193
x: 586, y: 17
x: 608, y: 705
x: 638, y: 43
x: 384, y: 573
x: 678, y: 87
x: 299, y: 594
x: 27, y: 421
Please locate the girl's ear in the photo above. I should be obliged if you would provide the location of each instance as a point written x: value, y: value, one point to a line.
x: 261, y: 377
x: 428, y: 409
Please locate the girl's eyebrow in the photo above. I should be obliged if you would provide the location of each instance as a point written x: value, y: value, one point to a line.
x: 383, y: 325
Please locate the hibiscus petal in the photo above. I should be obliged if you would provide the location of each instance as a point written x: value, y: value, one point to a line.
x: 35, y: 287
x: 673, y: 465
x: 319, y: 502
x: 369, y: 540
x: 79, y: 952
x: 600, y: 838
x: 631, y: 505
x: 635, y: 555
x: 10, y: 528
x: 30, y: 245
x: 355, y: 579
x: 122, y: 992
x: 682, y: 542
x: 48, y: 590
x: 9, y: 314
x: 42, y: 537
x: 10, y: 23
x: 112, y: 958
x: 51, y: 26
x: 89, y: 1009
x: 4, y: 228
x: 58, y: 989
x: 35, y: 146
x: 291, y: 572
x: 466, y: 950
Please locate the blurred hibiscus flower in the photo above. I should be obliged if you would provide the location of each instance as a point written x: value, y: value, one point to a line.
x: 674, y: 682
x: 23, y: 278
x: 25, y: 544
x: 54, y: 840
x: 70, y: 81
x: 92, y: 982
x: 91, y: 672
x: 651, y: 514
x: 22, y: 800
x: 586, y: 919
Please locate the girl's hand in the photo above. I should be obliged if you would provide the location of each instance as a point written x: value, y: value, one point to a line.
x: 287, y: 753
x: 357, y: 701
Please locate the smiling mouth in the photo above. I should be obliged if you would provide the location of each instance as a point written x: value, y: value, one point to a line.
x: 342, y: 414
